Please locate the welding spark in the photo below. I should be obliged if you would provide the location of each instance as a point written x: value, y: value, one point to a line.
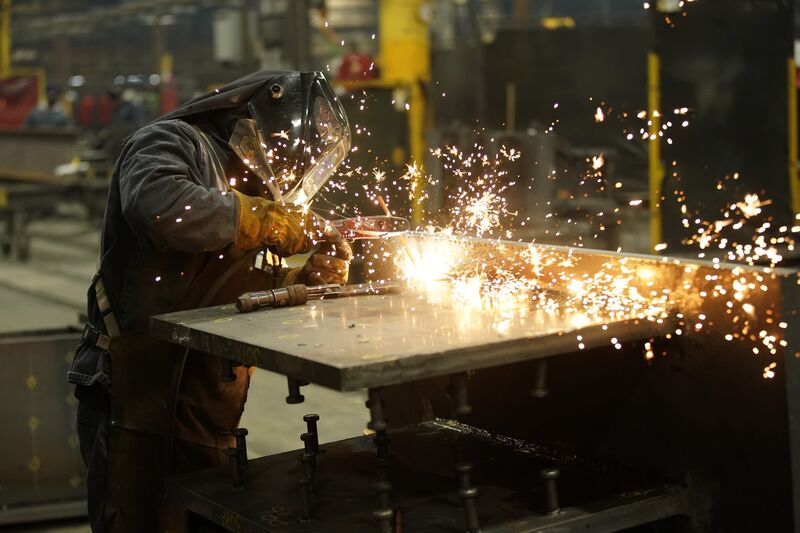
x: 599, y: 116
x: 475, y: 204
x: 484, y: 213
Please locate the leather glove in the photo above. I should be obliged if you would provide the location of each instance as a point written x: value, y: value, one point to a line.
x: 330, y: 263
x: 286, y: 230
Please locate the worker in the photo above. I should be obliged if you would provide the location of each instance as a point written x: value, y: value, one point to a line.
x: 125, y: 116
x: 49, y: 113
x: 194, y: 197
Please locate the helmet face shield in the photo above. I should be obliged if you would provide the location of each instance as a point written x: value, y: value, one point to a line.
x: 248, y: 143
x: 297, y: 137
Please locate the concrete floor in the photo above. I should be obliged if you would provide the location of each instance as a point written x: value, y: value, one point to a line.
x: 49, y: 291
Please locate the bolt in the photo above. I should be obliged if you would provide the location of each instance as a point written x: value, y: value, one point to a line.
x: 311, y: 425
x: 550, y: 475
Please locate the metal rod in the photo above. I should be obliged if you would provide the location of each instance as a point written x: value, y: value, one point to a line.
x: 294, y: 385
x: 540, y: 389
x: 381, y: 441
x: 550, y: 475
x: 459, y: 398
x: 384, y: 518
x: 457, y: 390
x: 236, y: 468
x: 240, y: 435
x: 384, y: 513
x: 375, y: 405
x: 227, y: 371
x: 311, y: 425
x: 308, y: 445
x: 306, y: 512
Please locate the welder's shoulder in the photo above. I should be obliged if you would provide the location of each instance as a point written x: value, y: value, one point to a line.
x: 164, y: 133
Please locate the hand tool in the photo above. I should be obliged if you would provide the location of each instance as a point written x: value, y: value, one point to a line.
x: 300, y: 294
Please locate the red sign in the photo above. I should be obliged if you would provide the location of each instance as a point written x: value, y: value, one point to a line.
x: 18, y: 95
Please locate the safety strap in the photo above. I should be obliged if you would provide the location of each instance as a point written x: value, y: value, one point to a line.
x: 104, y: 306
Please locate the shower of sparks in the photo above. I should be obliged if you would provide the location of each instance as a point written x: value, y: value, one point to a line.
x: 549, y: 279
x: 473, y: 189
x: 763, y: 244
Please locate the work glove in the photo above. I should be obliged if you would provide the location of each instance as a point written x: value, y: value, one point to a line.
x: 285, y: 230
x: 329, y: 264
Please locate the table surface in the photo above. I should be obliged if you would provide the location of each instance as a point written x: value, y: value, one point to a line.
x: 376, y: 340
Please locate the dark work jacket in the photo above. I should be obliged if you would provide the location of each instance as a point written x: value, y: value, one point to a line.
x: 169, y: 214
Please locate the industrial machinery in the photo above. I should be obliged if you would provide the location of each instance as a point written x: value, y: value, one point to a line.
x: 574, y: 399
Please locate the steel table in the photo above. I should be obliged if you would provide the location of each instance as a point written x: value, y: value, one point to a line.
x: 372, y: 341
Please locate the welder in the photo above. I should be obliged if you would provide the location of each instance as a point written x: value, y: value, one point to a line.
x: 195, y: 197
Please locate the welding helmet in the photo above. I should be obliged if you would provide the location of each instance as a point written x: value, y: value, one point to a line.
x: 296, y: 136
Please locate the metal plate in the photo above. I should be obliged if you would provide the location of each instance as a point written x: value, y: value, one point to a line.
x: 371, y: 341
x: 42, y: 473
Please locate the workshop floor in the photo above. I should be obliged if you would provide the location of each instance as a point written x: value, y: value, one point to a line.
x: 50, y: 291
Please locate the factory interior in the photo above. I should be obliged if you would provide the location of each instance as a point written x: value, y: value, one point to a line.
x: 395, y: 266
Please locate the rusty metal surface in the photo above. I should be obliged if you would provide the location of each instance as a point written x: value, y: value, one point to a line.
x: 372, y: 341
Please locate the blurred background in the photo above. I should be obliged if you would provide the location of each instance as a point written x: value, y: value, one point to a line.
x: 625, y: 115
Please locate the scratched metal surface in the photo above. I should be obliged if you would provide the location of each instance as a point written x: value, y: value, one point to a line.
x: 372, y: 341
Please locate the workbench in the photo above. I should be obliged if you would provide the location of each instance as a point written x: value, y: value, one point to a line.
x: 377, y: 340
x: 370, y: 342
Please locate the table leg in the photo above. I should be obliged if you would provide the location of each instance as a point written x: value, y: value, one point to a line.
x: 383, y: 487
x: 457, y: 391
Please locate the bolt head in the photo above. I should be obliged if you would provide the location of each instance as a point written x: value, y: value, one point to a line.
x: 464, y: 468
x: 549, y: 473
x: 313, y: 417
x: 383, y: 514
x: 295, y: 399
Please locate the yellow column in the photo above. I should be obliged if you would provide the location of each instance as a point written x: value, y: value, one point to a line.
x: 656, y: 169
x: 791, y: 121
x: 405, y: 61
x: 5, y: 38
x: 405, y: 47
x: 416, y: 133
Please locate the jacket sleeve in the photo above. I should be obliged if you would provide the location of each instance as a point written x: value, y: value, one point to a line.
x: 164, y: 197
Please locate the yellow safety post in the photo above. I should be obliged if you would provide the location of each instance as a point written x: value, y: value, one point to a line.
x: 416, y: 133
x: 405, y: 47
x: 656, y: 169
x: 5, y: 38
x: 405, y: 62
x: 791, y: 121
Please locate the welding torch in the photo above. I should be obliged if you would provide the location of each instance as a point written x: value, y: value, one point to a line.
x: 299, y: 294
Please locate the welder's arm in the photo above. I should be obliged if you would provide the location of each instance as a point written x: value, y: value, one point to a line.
x: 164, y: 201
